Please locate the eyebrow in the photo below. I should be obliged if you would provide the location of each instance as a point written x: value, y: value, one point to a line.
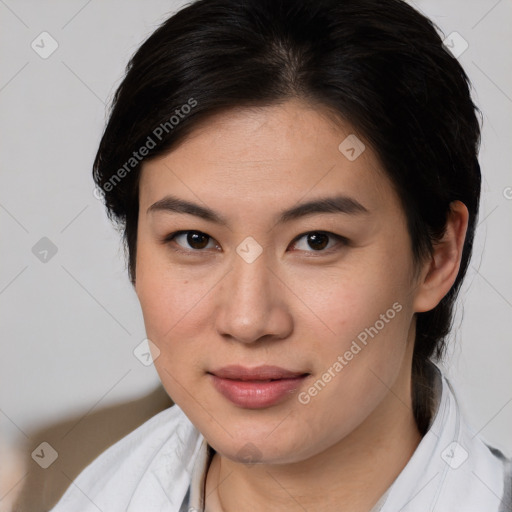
x: 337, y: 204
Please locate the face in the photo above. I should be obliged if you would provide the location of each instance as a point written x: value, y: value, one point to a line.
x: 275, y: 276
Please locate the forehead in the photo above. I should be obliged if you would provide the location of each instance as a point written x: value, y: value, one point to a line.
x: 267, y: 156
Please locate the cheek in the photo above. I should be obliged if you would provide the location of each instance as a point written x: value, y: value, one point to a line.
x: 344, y: 301
x: 357, y: 365
x: 365, y: 320
x: 168, y: 302
x: 171, y: 314
x: 166, y: 293
x: 367, y: 338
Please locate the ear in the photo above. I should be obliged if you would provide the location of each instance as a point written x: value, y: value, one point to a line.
x: 440, y: 271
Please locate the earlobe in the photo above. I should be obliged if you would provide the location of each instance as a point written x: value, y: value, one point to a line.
x: 441, y: 269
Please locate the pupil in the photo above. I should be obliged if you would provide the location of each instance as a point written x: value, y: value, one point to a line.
x: 318, y: 241
x: 197, y: 240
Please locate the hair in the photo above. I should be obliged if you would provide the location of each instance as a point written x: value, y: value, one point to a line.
x: 381, y: 66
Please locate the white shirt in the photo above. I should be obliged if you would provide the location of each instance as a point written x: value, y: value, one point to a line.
x: 161, y: 467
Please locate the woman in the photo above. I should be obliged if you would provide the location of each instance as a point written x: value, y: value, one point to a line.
x: 298, y: 186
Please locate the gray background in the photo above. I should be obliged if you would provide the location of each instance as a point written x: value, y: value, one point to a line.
x: 69, y: 325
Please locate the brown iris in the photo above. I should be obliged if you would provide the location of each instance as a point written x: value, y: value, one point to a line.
x: 318, y: 241
x: 197, y: 240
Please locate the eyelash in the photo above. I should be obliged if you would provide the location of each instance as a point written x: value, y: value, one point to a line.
x: 341, y: 240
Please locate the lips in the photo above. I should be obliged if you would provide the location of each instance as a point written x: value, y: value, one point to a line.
x: 256, y: 388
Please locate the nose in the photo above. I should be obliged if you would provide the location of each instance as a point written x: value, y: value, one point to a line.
x: 252, y: 304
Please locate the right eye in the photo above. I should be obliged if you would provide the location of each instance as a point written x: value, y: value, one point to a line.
x: 192, y: 241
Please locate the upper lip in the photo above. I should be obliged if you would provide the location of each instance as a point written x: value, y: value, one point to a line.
x: 236, y: 372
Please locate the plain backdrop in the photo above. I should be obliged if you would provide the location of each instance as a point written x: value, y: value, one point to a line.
x: 69, y: 325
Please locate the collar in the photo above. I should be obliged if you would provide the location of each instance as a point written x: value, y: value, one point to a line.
x: 198, y: 478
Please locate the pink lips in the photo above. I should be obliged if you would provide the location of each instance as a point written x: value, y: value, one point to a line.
x: 256, y: 388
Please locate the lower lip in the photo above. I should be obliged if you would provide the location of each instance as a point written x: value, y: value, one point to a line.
x: 257, y: 394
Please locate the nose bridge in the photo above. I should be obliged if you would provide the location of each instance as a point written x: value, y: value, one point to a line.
x: 252, y: 305
x: 250, y: 287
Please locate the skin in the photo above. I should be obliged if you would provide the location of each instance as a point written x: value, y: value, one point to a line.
x: 294, y: 306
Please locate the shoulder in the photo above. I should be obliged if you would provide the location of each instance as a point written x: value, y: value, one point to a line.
x: 452, y: 468
x: 473, y: 470
x: 130, y: 466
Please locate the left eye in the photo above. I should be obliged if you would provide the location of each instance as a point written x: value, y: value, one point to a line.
x: 317, y: 241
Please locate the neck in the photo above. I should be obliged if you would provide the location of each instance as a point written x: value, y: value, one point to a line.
x: 355, y: 472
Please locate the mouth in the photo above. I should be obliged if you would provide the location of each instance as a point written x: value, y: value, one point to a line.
x: 256, y: 388
x: 259, y: 373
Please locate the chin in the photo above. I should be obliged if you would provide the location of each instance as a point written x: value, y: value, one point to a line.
x: 257, y: 448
